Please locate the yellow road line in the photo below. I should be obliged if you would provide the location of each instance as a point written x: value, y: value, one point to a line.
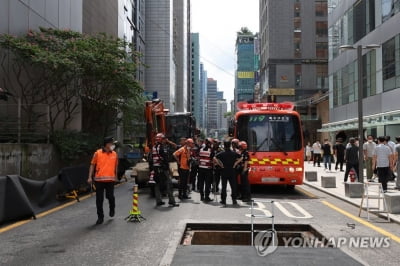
x: 307, y: 193
x: 363, y: 222
x: 42, y: 214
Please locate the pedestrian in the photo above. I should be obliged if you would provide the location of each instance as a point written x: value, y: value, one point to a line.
x: 327, y: 151
x: 308, y: 152
x: 103, y: 170
x: 194, y: 165
x: 228, y: 160
x: 160, y: 162
x: 339, y: 150
x: 244, y: 172
x: 351, y: 158
x: 382, y: 160
x: 397, y: 162
x: 183, y: 156
x: 317, y: 153
x: 206, y: 155
x: 369, y: 148
x: 392, y: 147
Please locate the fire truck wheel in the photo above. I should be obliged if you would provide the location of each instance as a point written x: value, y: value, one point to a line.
x: 290, y: 187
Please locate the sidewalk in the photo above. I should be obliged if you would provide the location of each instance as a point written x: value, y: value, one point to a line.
x: 339, y: 193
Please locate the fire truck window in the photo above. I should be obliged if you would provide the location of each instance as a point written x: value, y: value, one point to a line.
x: 270, y: 132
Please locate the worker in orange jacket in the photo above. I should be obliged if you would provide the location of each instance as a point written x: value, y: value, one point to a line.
x: 103, y: 171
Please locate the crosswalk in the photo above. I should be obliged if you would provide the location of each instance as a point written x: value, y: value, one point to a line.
x: 285, y: 207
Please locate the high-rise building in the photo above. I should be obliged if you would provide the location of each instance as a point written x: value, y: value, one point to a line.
x: 196, y: 97
x: 160, y: 76
x: 293, y: 49
x: 203, y: 97
x: 167, y: 52
x: 246, y: 67
x: 211, y: 104
x: 182, y: 44
x: 222, y: 109
x: 364, y: 22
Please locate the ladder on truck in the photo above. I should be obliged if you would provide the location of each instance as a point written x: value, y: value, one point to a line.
x: 272, y: 217
x: 373, y: 191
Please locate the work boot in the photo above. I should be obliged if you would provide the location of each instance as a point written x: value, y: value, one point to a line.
x: 100, y: 220
x: 112, y: 212
x: 173, y: 204
x: 234, y: 202
x: 207, y: 199
x: 185, y: 197
x: 160, y: 203
x: 223, y: 202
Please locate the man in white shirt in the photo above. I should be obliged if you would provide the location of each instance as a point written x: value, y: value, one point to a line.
x: 317, y: 153
x: 382, y: 160
x: 369, y: 148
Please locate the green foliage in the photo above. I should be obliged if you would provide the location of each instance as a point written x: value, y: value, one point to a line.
x: 62, y: 66
x: 72, y: 145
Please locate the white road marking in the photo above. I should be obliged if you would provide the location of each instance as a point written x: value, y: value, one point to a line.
x: 280, y: 205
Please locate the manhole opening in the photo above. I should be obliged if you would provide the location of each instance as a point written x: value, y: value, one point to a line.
x: 240, y: 234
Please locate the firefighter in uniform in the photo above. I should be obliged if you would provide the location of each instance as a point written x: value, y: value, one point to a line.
x: 103, y: 170
x: 244, y: 172
x: 206, y: 155
x: 228, y: 161
x: 183, y: 156
x: 161, y: 171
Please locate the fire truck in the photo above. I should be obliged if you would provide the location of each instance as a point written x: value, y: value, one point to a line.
x: 274, y: 138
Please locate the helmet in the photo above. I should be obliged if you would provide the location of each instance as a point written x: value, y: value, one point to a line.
x: 160, y: 136
x: 189, y: 141
x: 243, y: 145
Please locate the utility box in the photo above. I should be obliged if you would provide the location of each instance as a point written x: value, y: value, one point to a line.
x: 393, y: 202
x: 353, y: 190
x: 311, y: 176
x: 328, y: 181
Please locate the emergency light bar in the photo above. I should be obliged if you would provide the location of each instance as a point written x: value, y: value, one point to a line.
x: 266, y: 106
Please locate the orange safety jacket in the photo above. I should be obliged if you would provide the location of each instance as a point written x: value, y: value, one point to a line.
x: 105, y: 165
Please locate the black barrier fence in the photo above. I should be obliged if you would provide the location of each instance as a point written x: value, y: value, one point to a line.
x: 22, y: 198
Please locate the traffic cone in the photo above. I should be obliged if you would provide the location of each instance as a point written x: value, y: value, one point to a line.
x: 135, y: 214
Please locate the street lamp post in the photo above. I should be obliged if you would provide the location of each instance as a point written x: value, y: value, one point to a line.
x: 360, y: 104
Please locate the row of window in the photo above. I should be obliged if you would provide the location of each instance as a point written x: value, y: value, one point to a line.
x: 391, y: 63
x: 357, y: 22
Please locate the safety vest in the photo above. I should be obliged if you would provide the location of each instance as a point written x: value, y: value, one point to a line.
x: 205, y: 158
x: 156, y: 155
x: 106, y: 164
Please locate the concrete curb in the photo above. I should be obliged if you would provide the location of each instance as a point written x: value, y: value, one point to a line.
x: 392, y: 218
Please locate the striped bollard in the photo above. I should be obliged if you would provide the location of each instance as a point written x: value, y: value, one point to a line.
x: 135, y: 214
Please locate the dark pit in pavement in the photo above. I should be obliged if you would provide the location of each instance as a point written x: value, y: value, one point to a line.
x: 240, y: 234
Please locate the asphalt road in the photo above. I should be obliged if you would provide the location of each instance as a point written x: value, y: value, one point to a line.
x: 69, y: 236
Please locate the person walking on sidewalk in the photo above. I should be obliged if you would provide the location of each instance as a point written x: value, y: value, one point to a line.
x: 382, y: 160
x: 397, y: 162
x: 103, y: 170
x: 317, y: 153
x: 183, y: 156
x: 339, y: 150
x: 308, y: 152
x: 351, y: 158
x: 327, y: 151
x: 369, y: 148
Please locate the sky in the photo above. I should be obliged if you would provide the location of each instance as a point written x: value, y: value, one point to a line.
x: 217, y: 22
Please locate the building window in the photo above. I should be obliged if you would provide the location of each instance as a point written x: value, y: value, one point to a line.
x: 321, y: 28
x: 322, y: 77
x: 389, y: 64
x: 389, y: 8
x: 322, y: 50
x: 321, y: 8
x: 297, y: 78
x: 297, y: 9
